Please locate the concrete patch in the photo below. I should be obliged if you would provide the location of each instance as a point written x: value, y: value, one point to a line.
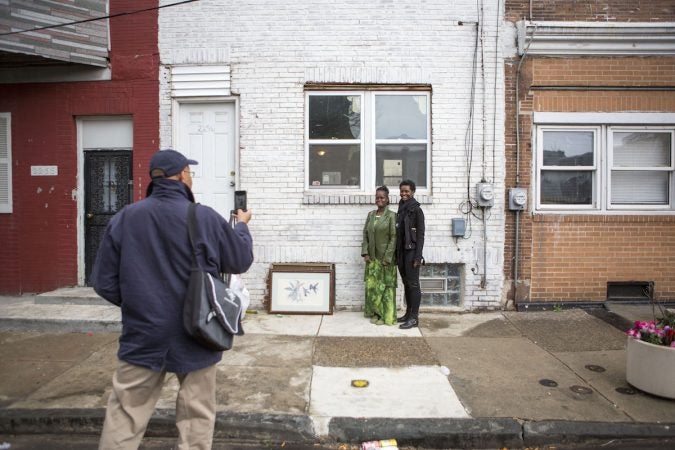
x: 641, y: 407
x: 500, y: 378
x: 252, y: 390
x: 263, y: 389
x: 633, y: 312
x: 372, y: 352
x: 406, y: 392
x: 570, y: 330
x: 479, y: 325
x: 270, y: 351
x: 345, y: 323
x: 86, y: 385
x: 21, y: 378
x: 31, y: 361
x: 292, y: 325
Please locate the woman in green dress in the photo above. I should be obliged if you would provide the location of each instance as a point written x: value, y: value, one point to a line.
x: 378, y: 248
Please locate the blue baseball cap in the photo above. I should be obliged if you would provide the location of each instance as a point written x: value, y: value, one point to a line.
x: 170, y: 162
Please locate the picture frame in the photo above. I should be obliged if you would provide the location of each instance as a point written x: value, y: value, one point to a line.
x: 304, y: 288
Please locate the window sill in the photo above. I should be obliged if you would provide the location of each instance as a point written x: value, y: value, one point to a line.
x: 641, y: 217
x: 317, y: 198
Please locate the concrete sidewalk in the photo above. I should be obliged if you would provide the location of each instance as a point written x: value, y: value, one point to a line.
x: 489, y: 380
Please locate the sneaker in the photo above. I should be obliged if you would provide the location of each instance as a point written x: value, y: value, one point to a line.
x: 374, y: 319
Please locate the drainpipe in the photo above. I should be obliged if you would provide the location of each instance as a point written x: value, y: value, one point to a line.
x: 516, y: 261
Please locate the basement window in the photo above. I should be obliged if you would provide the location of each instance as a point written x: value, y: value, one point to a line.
x: 630, y: 290
x: 441, y: 284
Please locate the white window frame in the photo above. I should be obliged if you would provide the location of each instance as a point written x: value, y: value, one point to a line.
x: 8, y: 207
x: 605, y: 124
x: 594, y: 168
x: 611, y: 168
x: 368, y: 141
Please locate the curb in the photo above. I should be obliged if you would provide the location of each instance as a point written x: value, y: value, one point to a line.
x: 567, y: 432
x: 229, y: 425
x: 429, y: 433
x: 45, y: 325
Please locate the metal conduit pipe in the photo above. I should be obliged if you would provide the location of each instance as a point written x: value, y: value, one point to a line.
x: 516, y: 260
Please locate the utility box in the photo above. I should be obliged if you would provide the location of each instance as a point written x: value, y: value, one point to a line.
x: 458, y: 227
x: 485, y: 194
x: 517, y: 199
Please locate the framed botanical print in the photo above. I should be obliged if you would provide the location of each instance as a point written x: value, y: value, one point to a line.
x: 307, y: 288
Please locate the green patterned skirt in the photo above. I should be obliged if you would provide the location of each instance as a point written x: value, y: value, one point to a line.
x: 380, y: 291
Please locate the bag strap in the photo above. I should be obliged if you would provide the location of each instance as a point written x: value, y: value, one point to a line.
x: 191, y: 221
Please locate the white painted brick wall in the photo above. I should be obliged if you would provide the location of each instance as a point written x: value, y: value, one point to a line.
x: 274, y: 47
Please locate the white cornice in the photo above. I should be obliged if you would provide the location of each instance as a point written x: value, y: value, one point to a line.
x: 596, y: 38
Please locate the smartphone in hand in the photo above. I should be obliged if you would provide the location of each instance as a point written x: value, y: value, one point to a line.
x: 240, y: 200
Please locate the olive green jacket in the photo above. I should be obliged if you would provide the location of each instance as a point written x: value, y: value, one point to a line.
x: 379, y: 237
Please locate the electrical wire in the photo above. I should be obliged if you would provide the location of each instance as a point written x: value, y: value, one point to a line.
x: 128, y: 13
x: 494, y: 94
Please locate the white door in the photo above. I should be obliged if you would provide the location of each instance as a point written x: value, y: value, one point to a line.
x: 206, y: 133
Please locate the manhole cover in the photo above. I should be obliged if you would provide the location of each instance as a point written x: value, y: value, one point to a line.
x: 626, y: 390
x: 548, y: 383
x: 594, y: 368
x: 581, y: 390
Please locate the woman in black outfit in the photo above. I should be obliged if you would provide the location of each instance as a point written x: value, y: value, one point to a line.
x: 409, y: 246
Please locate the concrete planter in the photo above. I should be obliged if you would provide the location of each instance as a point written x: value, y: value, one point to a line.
x: 650, y: 367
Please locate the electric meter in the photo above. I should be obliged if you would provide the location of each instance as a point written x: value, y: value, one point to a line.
x: 485, y: 194
x: 517, y: 199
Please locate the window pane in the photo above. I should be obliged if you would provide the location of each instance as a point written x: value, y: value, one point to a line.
x: 334, y: 117
x: 334, y: 165
x: 640, y: 187
x: 396, y: 162
x: 568, y: 148
x: 401, y: 116
x: 563, y: 187
x: 638, y: 149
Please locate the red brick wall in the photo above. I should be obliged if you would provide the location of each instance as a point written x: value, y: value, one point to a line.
x: 38, y: 241
x: 572, y: 257
x: 590, y: 10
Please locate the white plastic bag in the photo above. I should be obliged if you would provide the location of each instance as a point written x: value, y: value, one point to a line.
x: 237, y: 285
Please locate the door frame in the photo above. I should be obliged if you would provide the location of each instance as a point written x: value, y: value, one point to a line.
x: 175, y: 124
x: 78, y: 193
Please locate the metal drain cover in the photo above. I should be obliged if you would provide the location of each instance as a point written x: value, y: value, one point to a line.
x: 581, y: 390
x: 548, y: 383
x: 594, y: 368
x: 626, y: 390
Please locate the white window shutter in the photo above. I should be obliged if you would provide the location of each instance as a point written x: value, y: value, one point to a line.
x: 5, y: 164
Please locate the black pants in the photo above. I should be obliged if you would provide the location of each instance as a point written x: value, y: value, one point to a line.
x: 411, y: 282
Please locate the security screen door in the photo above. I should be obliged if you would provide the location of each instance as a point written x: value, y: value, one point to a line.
x: 107, y: 177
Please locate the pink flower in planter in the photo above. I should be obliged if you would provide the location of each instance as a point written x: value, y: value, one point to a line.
x: 653, y: 333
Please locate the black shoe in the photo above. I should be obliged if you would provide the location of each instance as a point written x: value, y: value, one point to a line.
x: 402, y: 319
x: 410, y: 323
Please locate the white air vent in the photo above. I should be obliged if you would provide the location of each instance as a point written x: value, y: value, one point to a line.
x: 433, y: 285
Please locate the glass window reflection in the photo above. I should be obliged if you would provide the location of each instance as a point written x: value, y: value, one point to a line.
x: 401, y: 116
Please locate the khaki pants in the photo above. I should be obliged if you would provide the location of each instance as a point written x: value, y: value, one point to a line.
x: 132, y: 401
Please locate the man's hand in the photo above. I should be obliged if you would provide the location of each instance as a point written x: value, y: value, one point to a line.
x: 243, y: 216
x: 416, y: 263
x: 366, y: 258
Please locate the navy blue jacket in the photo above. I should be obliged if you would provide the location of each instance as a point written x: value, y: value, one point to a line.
x: 143, y: 266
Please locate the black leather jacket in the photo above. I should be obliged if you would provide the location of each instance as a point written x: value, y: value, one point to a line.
x: 410, y: 229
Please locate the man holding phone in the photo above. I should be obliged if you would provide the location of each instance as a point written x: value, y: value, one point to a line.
x: 143, y: 266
